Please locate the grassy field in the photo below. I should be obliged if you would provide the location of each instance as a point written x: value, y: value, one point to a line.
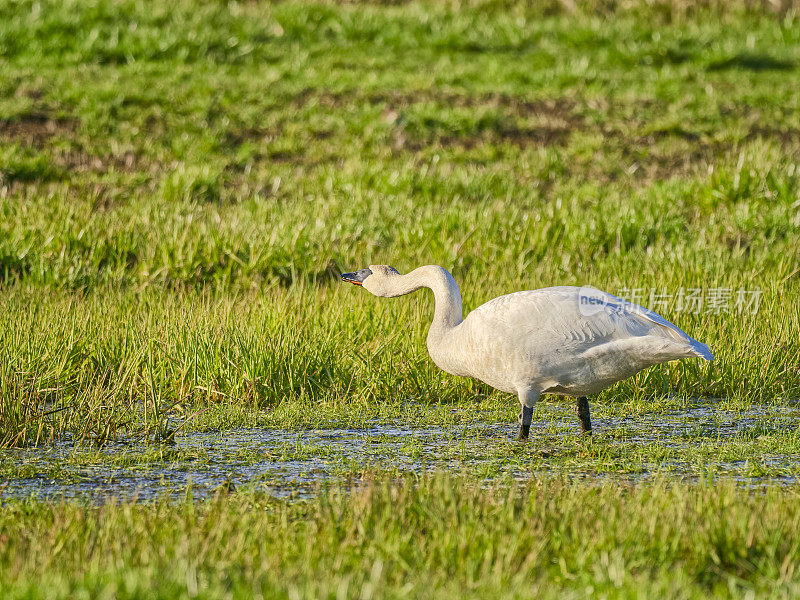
x: 181, y: 183
x: 412, y: 538
x: 177, y: 199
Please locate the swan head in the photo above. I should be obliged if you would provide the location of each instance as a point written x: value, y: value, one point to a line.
x: 376, y: 279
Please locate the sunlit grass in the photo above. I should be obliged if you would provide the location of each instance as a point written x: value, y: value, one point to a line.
x: 176, y: 201
x: 414, y: 537
x: 180, y: 185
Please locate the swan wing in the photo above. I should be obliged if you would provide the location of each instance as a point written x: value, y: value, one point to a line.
x: 625, y: 311
x: 582, y: 318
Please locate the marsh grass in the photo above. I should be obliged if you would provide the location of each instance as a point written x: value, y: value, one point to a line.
x: 147, y: 364
x: 180, y: 185
x: 434, y: 536
x: 176, y: 200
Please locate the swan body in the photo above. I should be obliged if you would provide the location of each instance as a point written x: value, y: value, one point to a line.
x: 558, y: 340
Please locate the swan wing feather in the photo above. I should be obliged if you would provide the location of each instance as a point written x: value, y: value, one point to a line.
x: 559, y: 311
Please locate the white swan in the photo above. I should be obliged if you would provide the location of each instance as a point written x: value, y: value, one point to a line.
x: 559, y: 340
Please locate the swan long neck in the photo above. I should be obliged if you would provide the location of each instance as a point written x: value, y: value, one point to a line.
x: 447, y: 297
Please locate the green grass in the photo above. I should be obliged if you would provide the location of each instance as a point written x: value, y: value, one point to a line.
x: 180, y: 185
x: 106, y: 363
x: 414, y: 538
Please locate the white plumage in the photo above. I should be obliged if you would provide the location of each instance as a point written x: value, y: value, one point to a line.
x: 559, y: 340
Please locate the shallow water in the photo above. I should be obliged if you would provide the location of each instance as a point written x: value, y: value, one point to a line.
x: 295, y: 463
x: 286, y: 462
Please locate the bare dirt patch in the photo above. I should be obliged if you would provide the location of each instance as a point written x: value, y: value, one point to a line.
x: 37, y: 129
x: 515, y: 136
x: 78, y: 160
x: 513, y: 120
x: 562, y: 108
x: 465, y: 122
x: 786, y: 137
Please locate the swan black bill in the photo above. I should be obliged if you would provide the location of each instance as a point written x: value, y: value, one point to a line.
x: 356, y: 278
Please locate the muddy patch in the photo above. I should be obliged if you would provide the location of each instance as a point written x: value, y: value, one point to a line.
x: 520, y: 137
x: 503, y: 119
x: 516, y: 105
x: 78, y: 160
x: 37, y: 129
x: 443, y: 120
x: 685, y: 444
x: 562, y: 109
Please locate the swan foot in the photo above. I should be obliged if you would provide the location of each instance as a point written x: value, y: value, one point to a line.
x: 582, y: 410
x: 524, y: 430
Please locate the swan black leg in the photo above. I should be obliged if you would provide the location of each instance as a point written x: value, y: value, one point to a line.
x: 525, y: 418
x: 582, y: 410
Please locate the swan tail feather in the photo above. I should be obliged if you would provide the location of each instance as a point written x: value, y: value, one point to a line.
x: 702, y: 351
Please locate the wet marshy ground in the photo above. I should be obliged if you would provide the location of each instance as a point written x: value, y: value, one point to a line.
x: 756, y: 446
